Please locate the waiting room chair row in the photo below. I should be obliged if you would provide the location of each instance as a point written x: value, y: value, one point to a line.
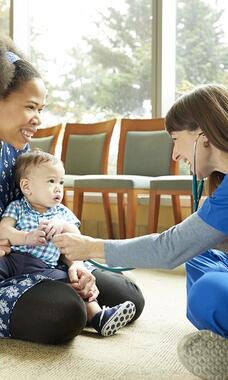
x: 144, y: 166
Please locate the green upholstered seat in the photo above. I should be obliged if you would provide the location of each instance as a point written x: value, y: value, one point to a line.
x: 178, y: 182
x: 85, y: 151
x: 46, y: 139
x: 43, y: 143
x: 145, y: 151
x: 113, y: 182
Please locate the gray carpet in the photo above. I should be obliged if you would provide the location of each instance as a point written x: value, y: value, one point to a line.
x: 144, y: 350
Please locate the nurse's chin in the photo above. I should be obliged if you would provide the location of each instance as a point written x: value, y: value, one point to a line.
x: 202, y: 176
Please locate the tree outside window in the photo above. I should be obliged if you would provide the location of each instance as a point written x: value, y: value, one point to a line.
x: 97, y: 56
x: 5, y: 17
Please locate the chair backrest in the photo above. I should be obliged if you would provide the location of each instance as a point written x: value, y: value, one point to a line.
x: 85, y: 147
x: 145, y: 148
x: 46, y: 138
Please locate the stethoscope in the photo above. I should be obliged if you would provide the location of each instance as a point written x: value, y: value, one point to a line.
x: 197, y: 186
x: 197, y: 190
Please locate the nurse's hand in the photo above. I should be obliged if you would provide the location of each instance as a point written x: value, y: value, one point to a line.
x: 79, y: 247
x: 4, y: 247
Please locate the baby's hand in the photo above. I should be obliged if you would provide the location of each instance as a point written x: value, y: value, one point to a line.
x: 51, y: 228
x: 35, y: 237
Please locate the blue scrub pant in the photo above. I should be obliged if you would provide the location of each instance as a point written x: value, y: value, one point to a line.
x: 207, y: 292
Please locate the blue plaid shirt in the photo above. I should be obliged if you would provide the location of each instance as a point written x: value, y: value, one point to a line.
x: 13, y: 288
x: 28, y: 219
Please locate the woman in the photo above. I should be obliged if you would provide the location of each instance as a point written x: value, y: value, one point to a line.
x: 198, y: 124
x: 34, y: 307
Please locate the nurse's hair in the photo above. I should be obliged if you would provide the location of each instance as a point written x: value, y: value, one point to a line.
x: 15, y: 69
x: 205, y: 107
x: 26, y: 162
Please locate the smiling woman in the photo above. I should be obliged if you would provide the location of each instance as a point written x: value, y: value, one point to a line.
x: 198, y: 122
x: 22, y: 96
x: 27, y: 290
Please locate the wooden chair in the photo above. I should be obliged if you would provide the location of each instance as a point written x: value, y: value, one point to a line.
x: 174, y: 185
x: 46, y: 138
x: 145, y: 152
x: 85, y: 150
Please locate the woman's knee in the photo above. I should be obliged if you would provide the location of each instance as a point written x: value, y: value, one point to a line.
x: 51, y: 312
x: 136, y: 296
x: 208, y: 301
x: 116, y: 288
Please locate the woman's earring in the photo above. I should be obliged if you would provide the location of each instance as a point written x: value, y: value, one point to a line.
x: 206, y: 144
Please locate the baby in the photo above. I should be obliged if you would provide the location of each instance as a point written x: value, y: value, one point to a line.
x: 30, y: 223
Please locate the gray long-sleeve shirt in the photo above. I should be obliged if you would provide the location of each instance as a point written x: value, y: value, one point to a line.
x: 169, y: 249
x: 201, y: 231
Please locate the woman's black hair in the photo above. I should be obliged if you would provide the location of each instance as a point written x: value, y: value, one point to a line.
x: 13, y: 75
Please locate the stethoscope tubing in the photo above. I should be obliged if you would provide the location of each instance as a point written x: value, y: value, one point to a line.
x: 107, y: 268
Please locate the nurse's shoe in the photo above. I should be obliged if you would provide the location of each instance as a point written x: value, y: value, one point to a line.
x: 205, y: 354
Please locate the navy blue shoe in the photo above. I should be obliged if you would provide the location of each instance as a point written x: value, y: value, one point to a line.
x: 111, y: 319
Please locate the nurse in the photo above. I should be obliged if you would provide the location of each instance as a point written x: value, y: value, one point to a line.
x: 198, y: 125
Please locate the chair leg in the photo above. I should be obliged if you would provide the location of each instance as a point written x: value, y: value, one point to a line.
x: 131, y: 213
x: 153, y: 212
x: 121, y: 215
x: 176, y: 209
x: 78, y: 203
x: 64, y: 200
x: 192, y: 203
x: 108, y: 215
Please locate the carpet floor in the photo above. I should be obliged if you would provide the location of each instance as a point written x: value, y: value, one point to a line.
x: 143, y: 350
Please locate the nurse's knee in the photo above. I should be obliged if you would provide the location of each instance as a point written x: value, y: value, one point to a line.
x: 206, y: 294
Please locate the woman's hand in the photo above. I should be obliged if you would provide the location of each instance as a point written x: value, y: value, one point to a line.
x: 79, y: 247
x: 4, y: 247
x: 83, y: 282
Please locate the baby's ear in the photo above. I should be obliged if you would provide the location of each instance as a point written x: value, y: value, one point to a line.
x: 25, y: 186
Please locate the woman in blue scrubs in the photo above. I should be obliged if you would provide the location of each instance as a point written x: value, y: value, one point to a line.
x: 198, y: 124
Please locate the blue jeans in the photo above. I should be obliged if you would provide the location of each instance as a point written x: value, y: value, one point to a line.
x: 207, y: 292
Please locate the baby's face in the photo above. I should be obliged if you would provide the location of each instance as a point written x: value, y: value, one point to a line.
x: 46, y: 186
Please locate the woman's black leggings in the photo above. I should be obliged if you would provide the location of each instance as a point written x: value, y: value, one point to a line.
x: 52, y: 312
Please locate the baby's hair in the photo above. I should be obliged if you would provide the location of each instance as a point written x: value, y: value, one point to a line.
x: 13, y: 75
x: 34, y: 158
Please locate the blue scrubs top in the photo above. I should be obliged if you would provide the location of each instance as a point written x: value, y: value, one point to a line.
x: 214, y: 210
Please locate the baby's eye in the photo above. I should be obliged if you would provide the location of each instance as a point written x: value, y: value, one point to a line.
x: 51, y: 180
x: 61, y: 182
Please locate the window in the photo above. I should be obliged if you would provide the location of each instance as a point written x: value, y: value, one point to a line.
x: 105, y: 58
x: 201, y: 45
x: 95, y: 56
x: 5, y: 16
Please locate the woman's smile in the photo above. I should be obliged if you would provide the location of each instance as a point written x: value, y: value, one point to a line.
x: 28, y: 134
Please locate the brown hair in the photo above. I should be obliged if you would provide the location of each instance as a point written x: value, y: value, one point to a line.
x: 13, y: 75
x: 25, y: 162
x: 206, y: 107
